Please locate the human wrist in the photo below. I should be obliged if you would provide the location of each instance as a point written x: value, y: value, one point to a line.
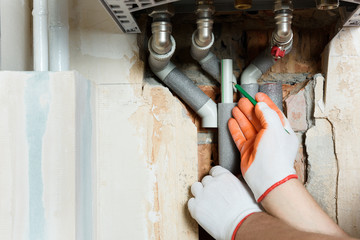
x: 240, y: 221
x: 282, y: 196
x: 292, y: 203
x: 275, y: 185
x: 246, y: 221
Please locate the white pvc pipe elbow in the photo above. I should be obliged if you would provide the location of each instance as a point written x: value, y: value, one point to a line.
x: 208, y: 114
x: 250, y: 75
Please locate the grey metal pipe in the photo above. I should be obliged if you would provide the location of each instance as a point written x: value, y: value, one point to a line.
x: 160, y: 64
x: 203, y: 39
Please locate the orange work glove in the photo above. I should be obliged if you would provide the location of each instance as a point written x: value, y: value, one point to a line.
x: 267, y: 144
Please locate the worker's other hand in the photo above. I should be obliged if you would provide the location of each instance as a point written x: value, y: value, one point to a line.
x: 221, y: 203
x: 267, y: 144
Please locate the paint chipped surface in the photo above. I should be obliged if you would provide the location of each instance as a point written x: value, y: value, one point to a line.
x: 172, y: 169
x: 107, y: 45
x: 14, y: 163
x: 98, y: 49
x: 341, y: 110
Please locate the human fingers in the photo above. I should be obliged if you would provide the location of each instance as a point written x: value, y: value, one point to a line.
x: 191, y: 206
x: 248, y: 109
x: 217, y: 170
x: 262, y: 97
x: 245, y: 125
x: 206, y: 180
x: 196, y: 188
x: 236, y: 133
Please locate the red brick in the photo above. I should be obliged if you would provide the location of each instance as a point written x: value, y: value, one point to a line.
x: 296, y: 111
x: 300, y: 165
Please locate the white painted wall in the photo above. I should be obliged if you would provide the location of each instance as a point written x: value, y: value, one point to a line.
x: 16, y: 38
x: 98, y: 49
x: 109, y: 158
x: 46, y: 146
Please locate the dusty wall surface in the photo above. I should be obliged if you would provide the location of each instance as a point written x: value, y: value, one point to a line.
x: 87, y: 161
x: 98, y: 49
x: 336, y: 105
x: 142, y: 172
x: 41, y: 152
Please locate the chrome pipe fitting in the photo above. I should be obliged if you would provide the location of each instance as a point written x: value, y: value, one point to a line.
x: 161, y: 29
x: 203, y: 34
x: 282, y: 37
x: 161, y: 42
x: 283, y: 32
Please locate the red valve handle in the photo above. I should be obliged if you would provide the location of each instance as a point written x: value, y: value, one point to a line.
x: 277, y: 53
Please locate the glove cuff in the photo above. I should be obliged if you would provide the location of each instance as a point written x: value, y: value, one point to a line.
x: 263, y: 179
x: 276, y: 185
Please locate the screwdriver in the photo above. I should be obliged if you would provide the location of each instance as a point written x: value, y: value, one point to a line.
x: 251, y: 99
x: 243, y: 92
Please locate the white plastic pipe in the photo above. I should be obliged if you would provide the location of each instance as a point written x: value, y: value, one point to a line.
x: 59, y: 35
x: 16, y: 43
x: 40, y: 35
x: 227, y: 81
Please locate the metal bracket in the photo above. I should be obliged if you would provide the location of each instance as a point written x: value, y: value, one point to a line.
x: 120, y: 11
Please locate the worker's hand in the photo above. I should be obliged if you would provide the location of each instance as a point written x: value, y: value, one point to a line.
x: 221, y: 203
x: 267, y: 144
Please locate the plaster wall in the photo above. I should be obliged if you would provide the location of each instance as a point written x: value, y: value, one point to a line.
x: 332, y: 143
x: 42, y: 149
x: 16, y: 37
x: 98, y: 49
x: 341, y: 99
x: 142, y: 172
x: 87, y: 161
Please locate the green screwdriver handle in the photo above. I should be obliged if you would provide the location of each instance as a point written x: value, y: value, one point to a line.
x: 253, y: 101
x: 243, y: 92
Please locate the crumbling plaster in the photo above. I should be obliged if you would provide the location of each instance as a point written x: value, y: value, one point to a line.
x: 337, y: 117
x: 98, y: 49
x: 146, y: 145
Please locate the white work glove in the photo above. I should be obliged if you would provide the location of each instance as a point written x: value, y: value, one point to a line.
x: 222, y: 202
x: 267, y: 144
